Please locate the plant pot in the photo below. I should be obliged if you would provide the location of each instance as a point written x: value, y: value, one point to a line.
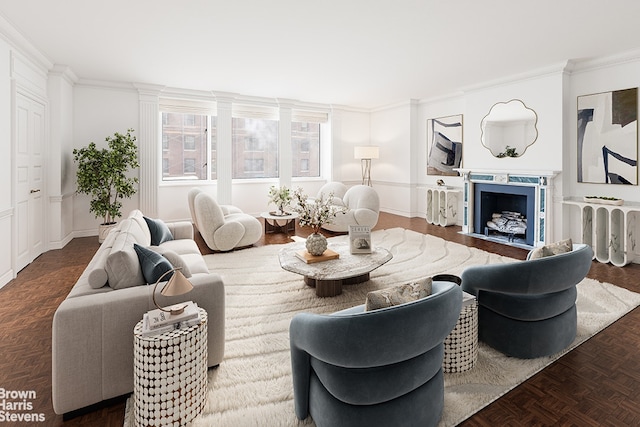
x: 316, y: 244
x: 103, y: 230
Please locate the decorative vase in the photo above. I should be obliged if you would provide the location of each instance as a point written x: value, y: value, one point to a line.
x: 316, y: 244
x: 280, y: 211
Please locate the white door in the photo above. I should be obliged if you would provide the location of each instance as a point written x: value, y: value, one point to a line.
x: 29, y: 141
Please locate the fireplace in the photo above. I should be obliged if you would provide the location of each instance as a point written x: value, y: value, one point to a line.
x: 527, y: 193
x: 497, y: 199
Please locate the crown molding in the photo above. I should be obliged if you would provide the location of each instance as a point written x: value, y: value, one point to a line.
x: 589, y: 64
x: 16, y: 40
x: 64, y: 72
x: 537, y: 73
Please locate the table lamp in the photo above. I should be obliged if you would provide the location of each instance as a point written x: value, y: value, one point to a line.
x: 177, y: 285
x: 365, y: 154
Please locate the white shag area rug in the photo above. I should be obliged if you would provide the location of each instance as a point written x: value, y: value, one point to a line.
x: 253, y: 386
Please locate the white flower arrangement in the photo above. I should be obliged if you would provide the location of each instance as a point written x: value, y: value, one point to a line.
x: 315, y: 212
x: 280, y: 196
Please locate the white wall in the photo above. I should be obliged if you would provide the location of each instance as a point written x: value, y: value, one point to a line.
x: 60, y: 185
x: 543, y: 94
x: 392, y: 129
x: 98, y: 113
x: 6, y: 167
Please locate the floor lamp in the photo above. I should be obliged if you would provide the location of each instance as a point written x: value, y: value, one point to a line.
x: 365, y: 154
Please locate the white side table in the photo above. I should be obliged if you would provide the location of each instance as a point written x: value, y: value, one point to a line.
x: 442, y: 206
x: 274, y: 223
x: 170, y: 375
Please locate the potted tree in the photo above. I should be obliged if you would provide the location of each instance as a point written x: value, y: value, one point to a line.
x: 102, y: 174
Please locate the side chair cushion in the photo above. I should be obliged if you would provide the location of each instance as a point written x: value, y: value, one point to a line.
x: 561, y: 247
x: 160, y: 233
x: 398, y: 294
x: 153, y: 264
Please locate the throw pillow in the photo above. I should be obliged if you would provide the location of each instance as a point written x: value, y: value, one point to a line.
x: 398, y: 294
x: 159, y: 231
x: 561, y: 247
x: 174, y: 258
x: 153, y: 264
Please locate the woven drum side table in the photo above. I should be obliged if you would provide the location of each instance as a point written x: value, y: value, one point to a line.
x: 170, y: 375
x: 461, y: 345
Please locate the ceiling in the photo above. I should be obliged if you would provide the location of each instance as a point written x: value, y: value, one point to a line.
x: 359, y: 53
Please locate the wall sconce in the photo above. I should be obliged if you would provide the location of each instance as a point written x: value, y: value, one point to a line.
x: 365, y: 154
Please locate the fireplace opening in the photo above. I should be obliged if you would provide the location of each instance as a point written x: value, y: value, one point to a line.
x: 504, y: 211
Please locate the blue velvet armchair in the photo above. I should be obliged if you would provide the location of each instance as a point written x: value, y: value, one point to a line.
x: 375, y: 368
x: 527, y: 309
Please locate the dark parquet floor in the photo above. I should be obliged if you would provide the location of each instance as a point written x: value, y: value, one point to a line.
x: 596, y: 384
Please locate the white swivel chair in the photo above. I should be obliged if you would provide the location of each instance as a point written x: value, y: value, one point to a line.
x: 222, y: 229
x: 363, y: 208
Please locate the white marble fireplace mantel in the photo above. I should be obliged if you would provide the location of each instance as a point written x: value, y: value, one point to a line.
x: 541, y: 180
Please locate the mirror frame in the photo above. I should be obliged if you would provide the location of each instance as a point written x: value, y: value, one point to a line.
x: 509, y: 152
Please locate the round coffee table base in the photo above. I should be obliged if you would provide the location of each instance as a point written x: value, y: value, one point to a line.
x: 331, y: 288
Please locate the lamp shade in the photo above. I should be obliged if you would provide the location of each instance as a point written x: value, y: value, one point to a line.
x: 177, y: 285
x: 368, y: 152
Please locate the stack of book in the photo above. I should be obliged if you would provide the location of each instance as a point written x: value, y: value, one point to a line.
x: 158, y: 321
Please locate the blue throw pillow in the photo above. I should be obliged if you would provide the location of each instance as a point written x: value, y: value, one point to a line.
x: 159, y: 231
x: 153, y: 264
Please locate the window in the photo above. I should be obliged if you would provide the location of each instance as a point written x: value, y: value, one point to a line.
x: 185, y: 151
x: 189, y: 166
x: 305, y: 148
x: 253, y: 165
x: 189, y: 142
x: 254, y: 147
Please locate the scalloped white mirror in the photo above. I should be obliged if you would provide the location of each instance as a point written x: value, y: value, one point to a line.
x: 509, y: 128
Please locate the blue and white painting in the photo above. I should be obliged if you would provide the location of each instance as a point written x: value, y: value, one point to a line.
x: 608, y: 137
x: 444, y: 143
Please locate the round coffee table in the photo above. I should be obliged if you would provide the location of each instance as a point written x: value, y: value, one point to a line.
x: 329, y: 276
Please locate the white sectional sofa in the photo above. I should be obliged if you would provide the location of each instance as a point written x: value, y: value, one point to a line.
x: 92, y: 346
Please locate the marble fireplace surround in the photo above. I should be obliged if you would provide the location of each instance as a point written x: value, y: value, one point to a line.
x: 542, y: 183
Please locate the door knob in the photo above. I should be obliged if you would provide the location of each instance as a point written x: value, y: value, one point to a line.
x: 34, y: 191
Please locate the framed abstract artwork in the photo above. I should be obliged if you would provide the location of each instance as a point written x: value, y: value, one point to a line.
x: 608, y: 137
x: 444, y: 145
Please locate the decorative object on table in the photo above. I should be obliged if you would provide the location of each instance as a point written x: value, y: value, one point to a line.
x: 281, y: 197
x: 158, y: 321
x: 360, y: 239
x: 365, y: 154
x: 170, y: 374
x: 327, y: 255
x: 313, y: 213
x: 102, y: 174
x: 604, y: 200
x: 177, y: 285
x: 444, y: 145
x: 608, y: 137
x: 316, y: 244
